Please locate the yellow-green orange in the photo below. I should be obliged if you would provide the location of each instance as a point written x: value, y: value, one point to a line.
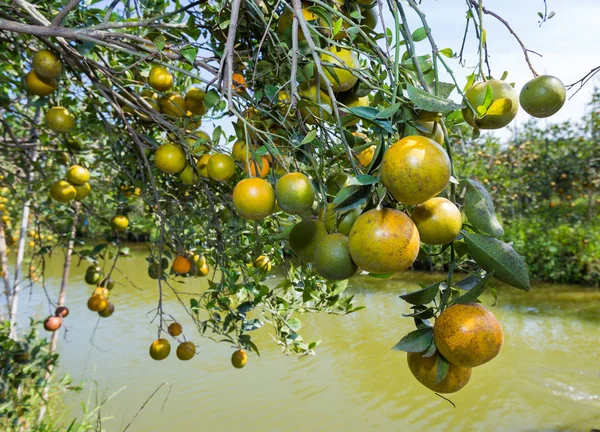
x: 295, y: 193
x: 384, y: 241
x: 160, y: 79
x: 332, y: 259
x: 438, y: 221
x: 172, y: 104
x: 366, y: 156
x: 160, y: 349
x: 241, y: 152
x: 62, y: 191
x: 239, y: 359
x: 60, y: 120
x: 175, y: 329
x: 304, y: 238
x: 468, y: 335
x: 39, y: 86
x: 194, y: 101
x: 188, y: 176
x: 262, y: 262
x: 97, y: 303
x: 202, y: 165
x: 502, y: 110
x: 83, y: 191
x: 284, y: 25
x: 424, y: 370
x: 430, y: 129
x: 343, y: 221
x: 347, y: 60
x: 46, y: 64
x: 253, y: 198
x: 170, y: 158
x: 119, y: 223
x: 186, y: 351
x: 415, y: 169
x: 318, y: 104
x: 220, y: 167
x: 77, y: 175
x: 543, y: 96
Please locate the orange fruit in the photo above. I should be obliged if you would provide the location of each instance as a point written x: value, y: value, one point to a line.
x: 438, y: 220
x: 263, y: 262
x: 77, y: 175
x: 415, y: 169
x: 241, y: 152
x: 304, y: 238
x: 366, y: 156
x: 468, y: 335
x: 119, y: 223
x: 239, y: 359
x: 175, y: 329
x: 543, y: 96
x: 203, y: 270
x: 317, y: 105
x: 83, y: 191
x: 384, y: 241
x: 172, y: 104
x: 343, y: 79
x: 59, y: 119
x: 253, y: 198
x: 39, y: 86
x: 52, y: 323
x: 160, y: 79
x: 97, y: 303
x: 505, y: 110
x: 295, y: 193
x: 181, y: 265
x: 332, y: 258
x: 430, y: 129
x: 107, y: 311
x: 238, y: 82
x: 220, y: 167
x: 170, y: 158
x: 62, y: 191
x: 186, y: 351
x: 254, y: 169
x: 284, y: 25
x: 424, y: 370
x: 202, y: 165
x: 194, y: 101
x: 46, y: 64
x: 160, y: 349
x: 343, y: 222
x: 188, y: 175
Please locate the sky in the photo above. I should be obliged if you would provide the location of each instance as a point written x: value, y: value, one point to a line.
x: 569, y: 44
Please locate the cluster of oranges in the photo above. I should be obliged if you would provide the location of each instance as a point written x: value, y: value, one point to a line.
x: 161, y: 348
x: 54, y: 322
x: 75, y: 187
x: 99, y: 300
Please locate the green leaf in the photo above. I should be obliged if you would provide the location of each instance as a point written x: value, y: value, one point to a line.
x: 416, y: 341
x: 351, y: 198
x: 389, y: 111
x: 189, y: 53
x: 271, y: 92
x: 474, y: 293
x: 309, y: 137
x: 494, y: 255
x: 211, y: 98
x: 429, y: 102
x: 499, y: 107
x: 423, y: 296
x: 447, y: 52
x: 159, y: 42
x: 441, y: 370
x: 504, y: 76
x: 337, y: 26
x: 362, y: 179
x: 480, y: 210
x: 445, y: 89
x: 419, y: 34
x: 294, y: 324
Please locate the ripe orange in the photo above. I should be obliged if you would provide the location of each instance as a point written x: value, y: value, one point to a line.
x: 175, y: 329
x: 52, y: 323
x: 438, y: 221
x: 332, y: 258
x: 119, y: 223
x: 172, y: 104
x: 384, y: 241
x: 60, y: 120
x: 186, y: 351
x: 506, y: 100
x: 194, y: 101
x: 62, y: 191
x: 468, y: 335
x: 78, y: 175
x: 366, y: 156
x: 415, y: 169
x: 253, y: 169
x: 253, y: 198
x: 238, y: 83
x: 182, y: 265
x: 263, y: 262
x: 46, y: 64
x: 304, y: 238
x: 203, y: 270
x: 160, y: 349
x: 295, y: 193
x: 220, y: 167
x: 343, y: 79
x: 39, y: 86
x: 239, y: 359
x: 97, y: 303
x: 160, y: 79
x: 83, y: 191
x: 170, y: 158
x: 424, y: 370
x: 202, y: 165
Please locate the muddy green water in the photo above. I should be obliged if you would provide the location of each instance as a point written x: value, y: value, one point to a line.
x: 547, y: 376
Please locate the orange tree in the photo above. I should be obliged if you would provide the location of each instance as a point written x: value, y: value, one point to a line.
x: 341, y: 134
